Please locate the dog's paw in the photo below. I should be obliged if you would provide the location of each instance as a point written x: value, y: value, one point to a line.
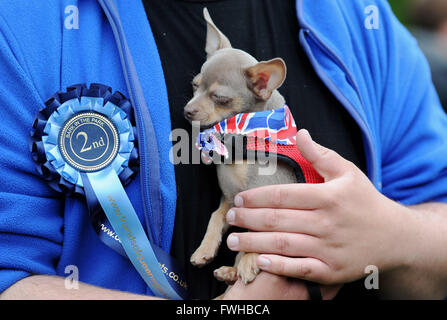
x: 200, y: 258
x: 204, y: 254
x: 226, y: 274
x: 247, y: 269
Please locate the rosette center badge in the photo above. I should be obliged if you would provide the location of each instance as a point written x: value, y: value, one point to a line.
x: 83, y: 131
x: 89, y: 141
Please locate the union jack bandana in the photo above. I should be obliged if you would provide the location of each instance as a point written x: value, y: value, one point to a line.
x: 275, y: 125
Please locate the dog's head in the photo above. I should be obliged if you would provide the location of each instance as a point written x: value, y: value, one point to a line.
x: 230, y: 81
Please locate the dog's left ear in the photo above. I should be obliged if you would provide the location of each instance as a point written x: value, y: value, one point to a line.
x: 266, y: 76
x: 215, y: 39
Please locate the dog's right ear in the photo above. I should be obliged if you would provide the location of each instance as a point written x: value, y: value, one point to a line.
x: 215, y: 39
x: 266, y: 76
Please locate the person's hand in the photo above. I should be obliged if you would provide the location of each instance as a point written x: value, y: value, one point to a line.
x: 268, y: 286
x: 326, y: 233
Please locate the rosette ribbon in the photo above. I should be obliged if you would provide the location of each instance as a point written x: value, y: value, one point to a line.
x: 84, y: 143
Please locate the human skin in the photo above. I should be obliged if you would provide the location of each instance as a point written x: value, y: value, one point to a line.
x: 330, y: 232
x: 44, y: 287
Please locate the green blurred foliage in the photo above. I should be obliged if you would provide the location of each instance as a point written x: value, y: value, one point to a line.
x: 401, y: 9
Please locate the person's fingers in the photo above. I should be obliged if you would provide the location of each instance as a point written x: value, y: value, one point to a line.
x: 328, y: 163
x: 281, y: 220
x: 288, y: 244
x: 287, y: 196
x: 310, y: 269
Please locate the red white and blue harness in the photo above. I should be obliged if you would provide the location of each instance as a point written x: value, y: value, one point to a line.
x: 271, y: 131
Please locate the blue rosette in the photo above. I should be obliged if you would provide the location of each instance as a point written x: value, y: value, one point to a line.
x: 84, y: 142
x: 78, y: 99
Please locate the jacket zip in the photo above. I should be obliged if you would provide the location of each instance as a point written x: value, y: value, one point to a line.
x: 308, y: 33
x: 151, y: 204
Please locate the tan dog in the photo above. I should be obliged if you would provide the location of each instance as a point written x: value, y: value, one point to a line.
x: 230, y: 82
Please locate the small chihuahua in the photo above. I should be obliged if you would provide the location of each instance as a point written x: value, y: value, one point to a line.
x: 231, y: 82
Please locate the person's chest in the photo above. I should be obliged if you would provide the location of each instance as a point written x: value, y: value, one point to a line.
x: 265, y: 29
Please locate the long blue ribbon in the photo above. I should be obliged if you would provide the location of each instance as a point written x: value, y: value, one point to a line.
x: 106, y: 233
x: 124, y: 220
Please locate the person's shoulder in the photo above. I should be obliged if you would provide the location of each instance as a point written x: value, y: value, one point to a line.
x: 34, y: 13
x: 357, y: 16
x: 30, y: 22
x: 30, y: 33
x: 361, y: 33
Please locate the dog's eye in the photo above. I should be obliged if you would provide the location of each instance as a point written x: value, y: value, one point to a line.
x: 220, y: 100
x: 195, y: 85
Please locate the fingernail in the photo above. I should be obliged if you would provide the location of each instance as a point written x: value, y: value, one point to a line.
x: 238, y: 201
x: 231, y: 216
x: 232, y: 242
x: 263, y: 262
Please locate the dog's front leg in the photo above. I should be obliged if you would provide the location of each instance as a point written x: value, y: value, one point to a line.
x: 213, y: 237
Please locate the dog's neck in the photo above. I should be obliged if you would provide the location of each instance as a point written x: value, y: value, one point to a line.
x: 275, y: 101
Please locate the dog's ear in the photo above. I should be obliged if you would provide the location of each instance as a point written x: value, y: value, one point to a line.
x: 266, y: 76
x: 215, y: 39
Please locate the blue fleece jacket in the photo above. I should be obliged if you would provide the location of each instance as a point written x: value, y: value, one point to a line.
x: 379, y: 75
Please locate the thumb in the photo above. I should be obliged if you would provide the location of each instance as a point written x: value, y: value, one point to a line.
x: 328, y: 163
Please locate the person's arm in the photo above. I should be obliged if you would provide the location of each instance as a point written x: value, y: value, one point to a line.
x: 426, y: 277
x: 31, y: 214
x: 40, y: 287
x: 330, y: 232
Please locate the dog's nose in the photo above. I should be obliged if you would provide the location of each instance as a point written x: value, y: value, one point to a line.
x: 189, y: 112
